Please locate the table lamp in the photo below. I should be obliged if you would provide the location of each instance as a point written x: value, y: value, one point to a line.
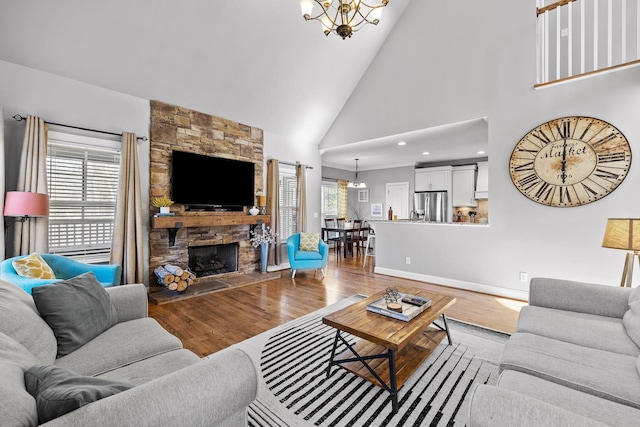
x: 624, y: 233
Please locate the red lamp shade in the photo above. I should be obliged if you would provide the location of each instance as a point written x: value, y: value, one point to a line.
x: 26, y: 204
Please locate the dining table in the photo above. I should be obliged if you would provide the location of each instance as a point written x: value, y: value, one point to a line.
x: 343, y: 232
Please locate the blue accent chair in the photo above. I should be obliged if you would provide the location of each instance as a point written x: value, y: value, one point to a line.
x: 64, y: 268
x: 306, y: 259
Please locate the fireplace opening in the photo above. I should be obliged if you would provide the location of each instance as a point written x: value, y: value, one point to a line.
x: 213, y: 259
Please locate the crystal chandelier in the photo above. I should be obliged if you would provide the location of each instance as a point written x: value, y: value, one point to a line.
x: 343, y: 17
x: 356, y: 183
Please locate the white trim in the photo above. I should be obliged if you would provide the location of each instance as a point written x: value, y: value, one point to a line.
x: 83, y: 141
x: 452, y: 283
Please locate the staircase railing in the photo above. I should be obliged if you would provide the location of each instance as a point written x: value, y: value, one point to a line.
x: 579, y: 38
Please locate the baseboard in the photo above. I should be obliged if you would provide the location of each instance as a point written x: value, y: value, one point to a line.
x: 452, y: 283
x: 283, y: 266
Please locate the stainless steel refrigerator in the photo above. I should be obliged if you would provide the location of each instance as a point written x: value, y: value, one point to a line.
x: 431, y: 205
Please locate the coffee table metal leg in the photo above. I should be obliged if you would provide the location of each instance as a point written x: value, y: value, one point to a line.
x: 333, y: 352
x: 446, y: 328
x: 392, y: 379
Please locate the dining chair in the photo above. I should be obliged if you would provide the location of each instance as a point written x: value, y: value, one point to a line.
x: 356, y: 237
x: 332, y: 236
x: 369, y: 249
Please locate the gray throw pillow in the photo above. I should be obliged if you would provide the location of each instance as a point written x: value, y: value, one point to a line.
x: 631, y: 319
x: 77, y: 310
x: 58, y: 390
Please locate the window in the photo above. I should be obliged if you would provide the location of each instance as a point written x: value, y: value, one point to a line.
x: 329, y: 199
x: 288, y: 202
x: 82, y: 176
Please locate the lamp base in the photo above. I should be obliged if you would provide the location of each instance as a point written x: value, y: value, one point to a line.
x: 627, y: 272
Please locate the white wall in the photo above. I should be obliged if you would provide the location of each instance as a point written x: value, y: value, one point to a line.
x: 454, y: 60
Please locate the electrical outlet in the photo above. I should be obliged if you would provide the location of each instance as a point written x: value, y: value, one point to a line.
x: 407, y: 260
x: 564, y: 32
x: 524, y: 276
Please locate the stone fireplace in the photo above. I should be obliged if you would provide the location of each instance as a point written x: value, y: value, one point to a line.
x: 178, y: 128
x: 211, y: 260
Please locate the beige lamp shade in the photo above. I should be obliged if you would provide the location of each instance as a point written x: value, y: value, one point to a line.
x: 622, y: 233
x: 26, y: 204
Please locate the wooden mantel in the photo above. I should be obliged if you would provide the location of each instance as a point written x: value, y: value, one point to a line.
x: 205, y: 219
x: 209, y: 219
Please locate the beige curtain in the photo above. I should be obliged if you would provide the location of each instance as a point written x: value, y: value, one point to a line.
x: 343, y: 198
x: 301, y: 188
x: 32, y: 234
x: 273, y: 205
x: 127, y: 247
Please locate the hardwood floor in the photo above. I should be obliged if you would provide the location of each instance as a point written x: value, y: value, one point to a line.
x: 211, y: 322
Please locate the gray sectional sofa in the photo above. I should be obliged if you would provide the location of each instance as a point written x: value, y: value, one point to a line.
x: 573, y: 361
x: 170, y: 385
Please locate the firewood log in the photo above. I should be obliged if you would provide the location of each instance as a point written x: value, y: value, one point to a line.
x: 185, y: 275
x: 164, y: 276
x: 174, y: 269
x: 173, y: 286
x: 182, y: 286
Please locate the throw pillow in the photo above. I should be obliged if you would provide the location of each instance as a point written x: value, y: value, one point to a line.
x: 631, y: 319
x: 58, y: 390
x: 33, y: 267
x: 309, y: 242
x: 77, y: 310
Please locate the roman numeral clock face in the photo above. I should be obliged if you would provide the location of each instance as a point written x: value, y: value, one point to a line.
x: 570, y: 161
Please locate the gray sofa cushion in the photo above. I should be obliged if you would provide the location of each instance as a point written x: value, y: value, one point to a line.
x: 589, y: 330
x: 121, y: 345
x: 17, y: 407
x: 58, y: 391
x: 631, y: 319
x: 77, y: 310
x: 152, y: 368
x: 581, y: 403
x: 20, y: 320
x: 605, y: 374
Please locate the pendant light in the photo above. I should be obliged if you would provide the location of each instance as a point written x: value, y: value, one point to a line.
x: 356, y: 183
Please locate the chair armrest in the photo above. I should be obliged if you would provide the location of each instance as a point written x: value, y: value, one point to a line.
x: 323, y: 248
x: 492, y: 406
x: 130, y: 301
x: 104, y: 273
x: 601, y: 300
x: 203, y: 394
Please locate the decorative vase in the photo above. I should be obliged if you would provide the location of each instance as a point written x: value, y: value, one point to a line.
x: 264, y: 256
x: 164, y: 209
x: 254, y: 211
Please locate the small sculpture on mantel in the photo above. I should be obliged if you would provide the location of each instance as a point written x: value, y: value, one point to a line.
x: 393, y: 297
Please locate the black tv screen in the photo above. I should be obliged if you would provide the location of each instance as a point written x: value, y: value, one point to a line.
x: 200, y: 181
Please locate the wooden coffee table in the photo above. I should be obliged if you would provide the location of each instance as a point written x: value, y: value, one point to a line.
x: 403, y: 345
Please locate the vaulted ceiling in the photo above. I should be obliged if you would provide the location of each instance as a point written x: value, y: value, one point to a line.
x: 255, y: 62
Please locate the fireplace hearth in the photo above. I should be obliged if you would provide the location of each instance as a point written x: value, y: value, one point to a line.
x: 213, y: 260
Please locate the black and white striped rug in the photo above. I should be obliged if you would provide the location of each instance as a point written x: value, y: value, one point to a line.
x: 294, y: 389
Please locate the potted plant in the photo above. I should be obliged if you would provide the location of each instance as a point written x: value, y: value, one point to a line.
x: 263, y: 238
x: 163, y: 203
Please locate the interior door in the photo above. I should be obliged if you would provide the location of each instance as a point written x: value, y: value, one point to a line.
x: 398, y: 198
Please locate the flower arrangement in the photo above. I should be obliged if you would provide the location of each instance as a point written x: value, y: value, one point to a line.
x: 262, y: 235
x: 161, y: 202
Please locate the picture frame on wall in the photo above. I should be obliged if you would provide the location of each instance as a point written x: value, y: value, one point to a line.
x: 376, y: 210
x: 363, y: 196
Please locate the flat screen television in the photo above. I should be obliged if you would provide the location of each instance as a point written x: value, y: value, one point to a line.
x: 211, y: 183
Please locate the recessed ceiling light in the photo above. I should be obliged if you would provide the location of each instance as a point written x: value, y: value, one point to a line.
x: 425, y: 153
x: 402, y: 143
x: 480, y: 152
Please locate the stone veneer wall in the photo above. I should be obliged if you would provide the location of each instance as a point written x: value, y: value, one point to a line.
x: 179, y: 128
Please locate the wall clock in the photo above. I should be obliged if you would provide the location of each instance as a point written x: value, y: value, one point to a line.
x: 570, y: 161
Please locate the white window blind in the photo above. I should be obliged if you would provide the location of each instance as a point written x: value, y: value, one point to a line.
x: 83, y: 183
x: 288, y: 202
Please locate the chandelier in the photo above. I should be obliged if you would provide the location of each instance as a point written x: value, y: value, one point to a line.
x: 343, y: 17
x: 356, y: 183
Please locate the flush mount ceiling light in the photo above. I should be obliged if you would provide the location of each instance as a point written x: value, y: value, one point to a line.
x: 401, y: 143
x: 356, y: 183
x: 343, y: 17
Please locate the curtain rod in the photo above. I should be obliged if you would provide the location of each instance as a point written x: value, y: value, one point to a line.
x: 19, y: 118
x: 291, y: 164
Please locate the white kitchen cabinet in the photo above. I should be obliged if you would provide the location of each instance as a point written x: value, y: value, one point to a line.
x: 433, y: 179
x: 482, y: 183
x: 464, y: 186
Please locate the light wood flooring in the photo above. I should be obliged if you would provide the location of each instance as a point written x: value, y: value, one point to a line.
x: 211, y: 322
